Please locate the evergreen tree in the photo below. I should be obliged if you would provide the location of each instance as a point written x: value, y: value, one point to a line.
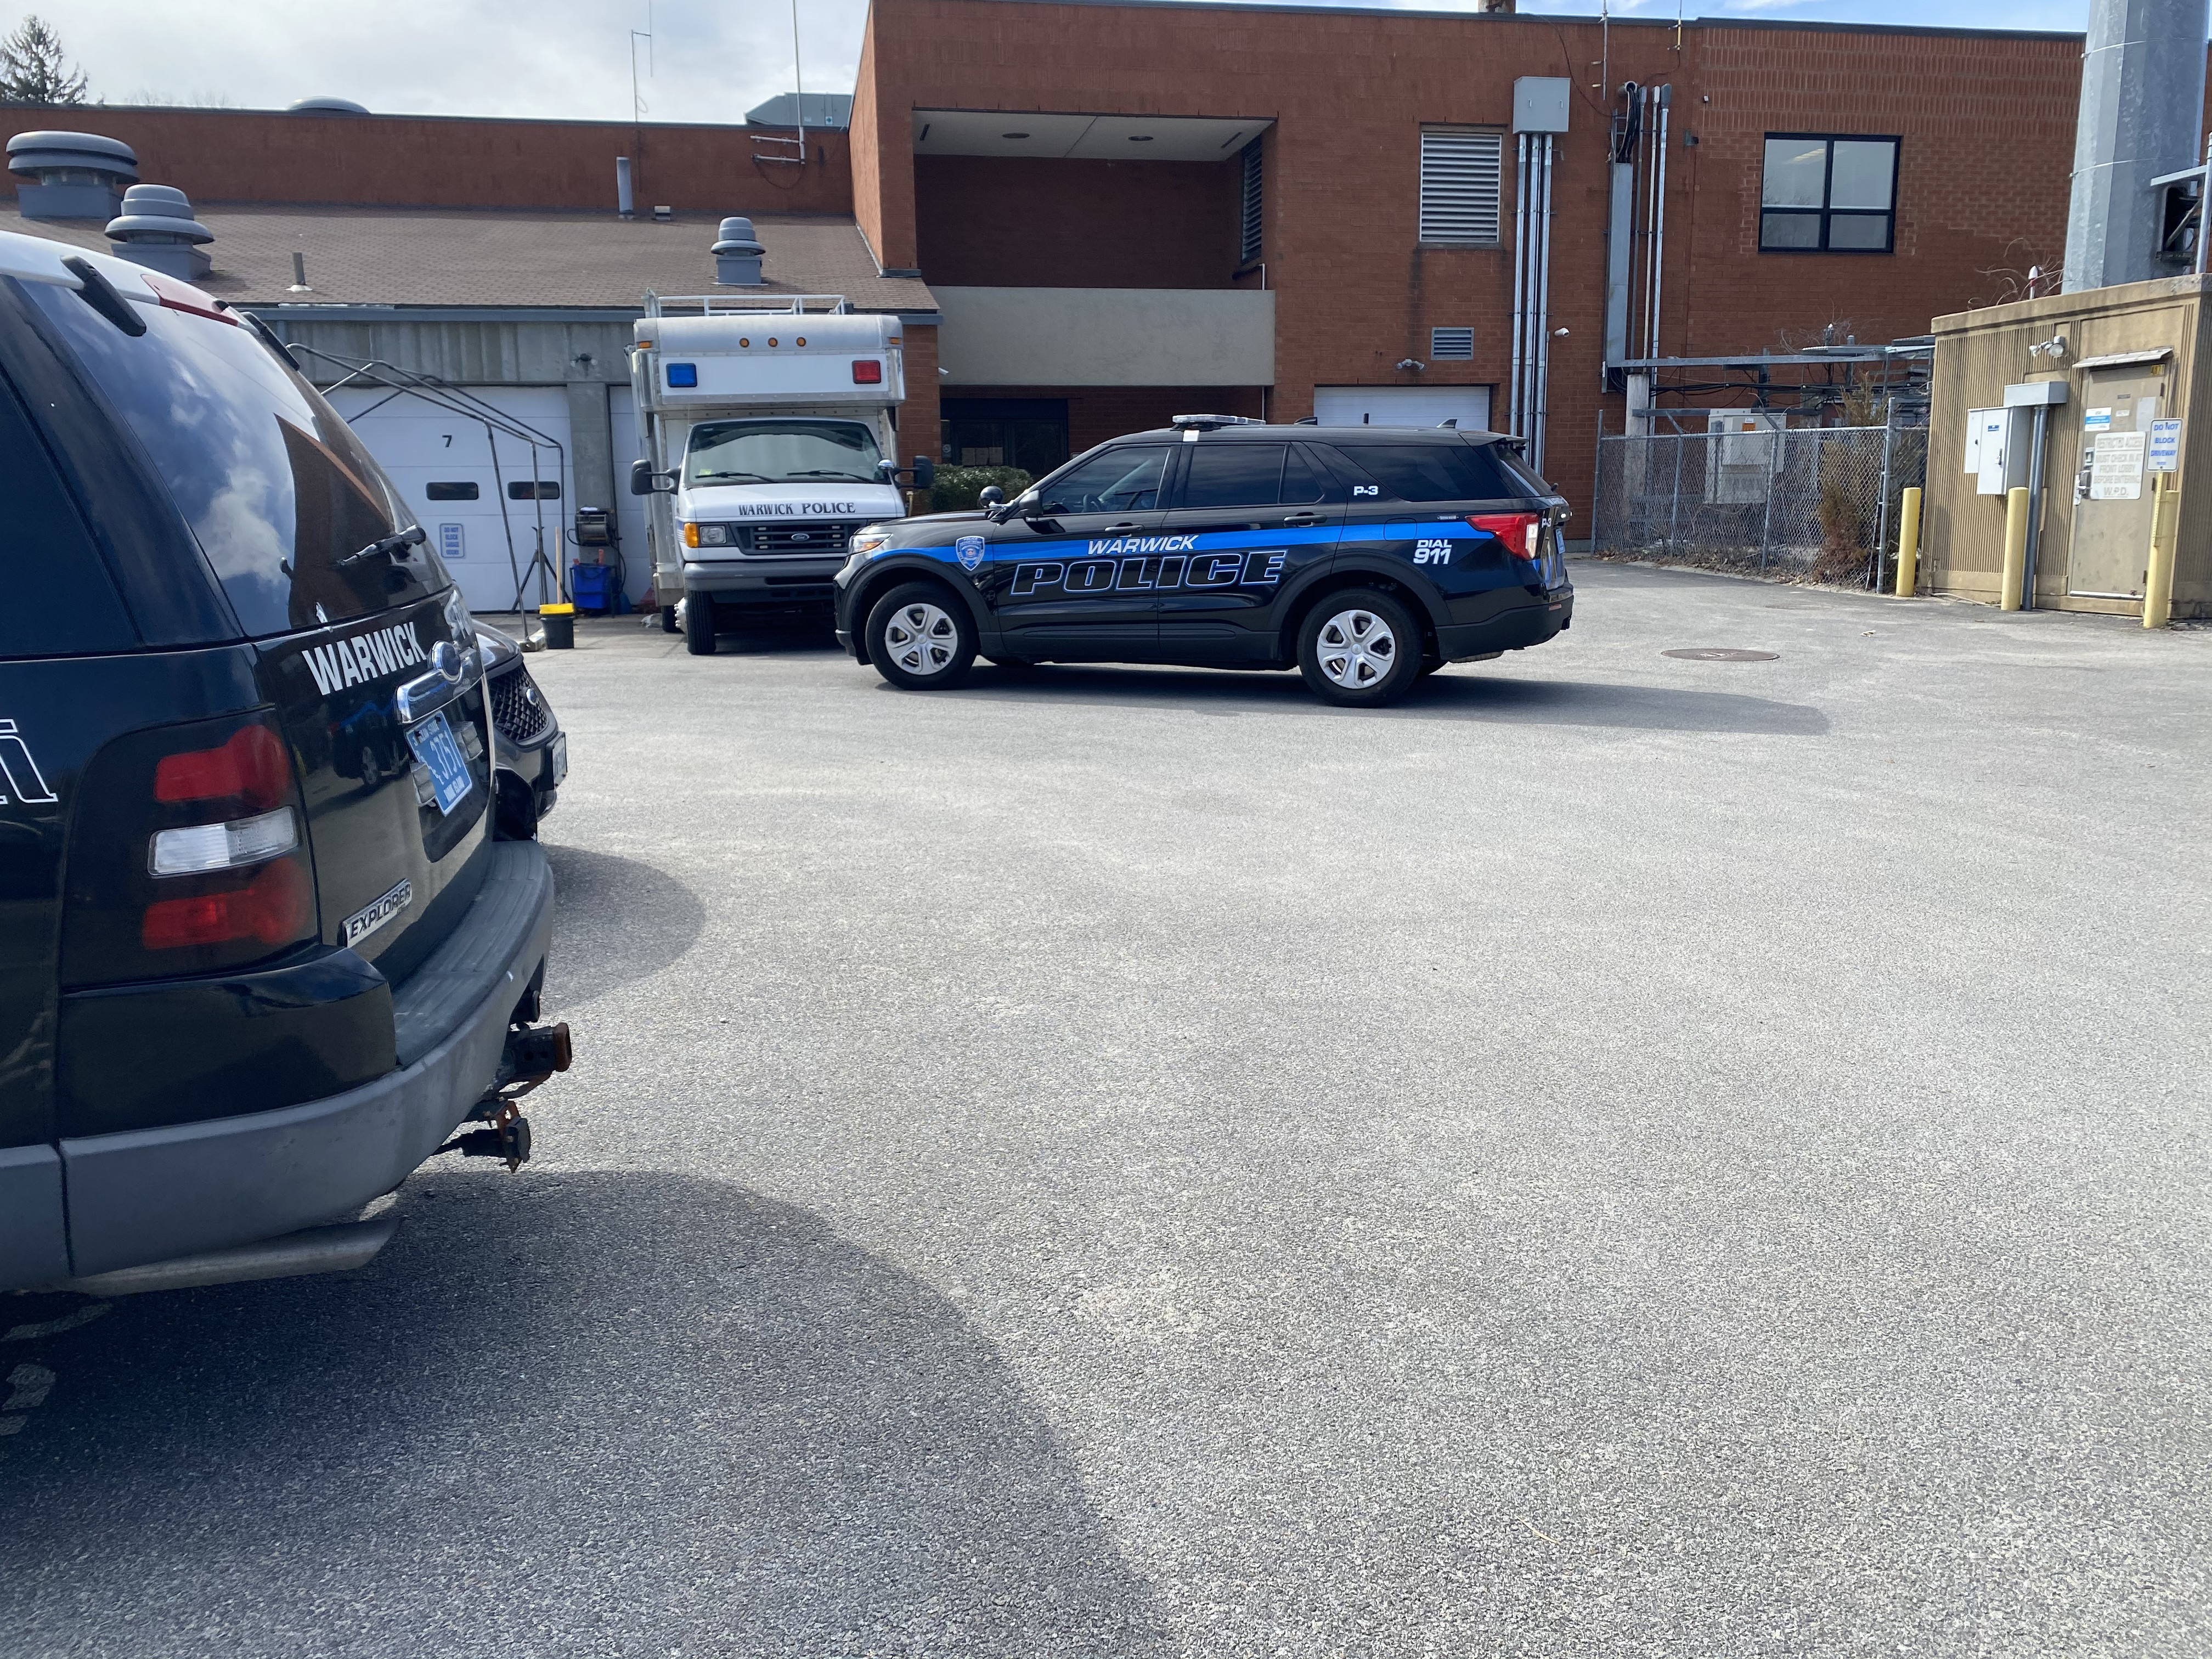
x: 32, y: 70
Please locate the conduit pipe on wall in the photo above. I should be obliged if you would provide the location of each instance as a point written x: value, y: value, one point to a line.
x: 1658, y: 224
x: 1542, y: 388
x: 1515, y: 411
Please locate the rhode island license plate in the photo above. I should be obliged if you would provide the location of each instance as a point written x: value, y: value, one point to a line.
x: 434, y: 745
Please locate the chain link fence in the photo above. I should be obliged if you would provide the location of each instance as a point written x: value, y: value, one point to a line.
x: 1815, y: 503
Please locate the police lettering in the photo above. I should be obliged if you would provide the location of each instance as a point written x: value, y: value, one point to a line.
x: 1141, y: 574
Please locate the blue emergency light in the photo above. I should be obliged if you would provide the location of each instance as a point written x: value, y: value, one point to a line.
x: 683, y: 375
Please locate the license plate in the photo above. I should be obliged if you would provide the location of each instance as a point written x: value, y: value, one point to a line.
x: 560, y: 759
x: 434, y: 745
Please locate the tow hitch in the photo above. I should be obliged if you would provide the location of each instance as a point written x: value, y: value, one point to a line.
x: 531, y: 1056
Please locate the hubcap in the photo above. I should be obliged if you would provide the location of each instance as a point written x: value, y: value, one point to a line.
x: 1356, y: 649
x: 921, y: 639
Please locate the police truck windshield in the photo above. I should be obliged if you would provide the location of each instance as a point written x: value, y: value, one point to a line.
x: 781, y: 452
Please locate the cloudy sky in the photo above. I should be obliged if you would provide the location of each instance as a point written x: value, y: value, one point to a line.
x: 711, y: 60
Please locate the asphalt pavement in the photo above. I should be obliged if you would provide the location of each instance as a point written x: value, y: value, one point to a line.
x: 1620, y: 1155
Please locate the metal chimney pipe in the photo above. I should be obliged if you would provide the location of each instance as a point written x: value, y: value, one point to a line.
x: 2143, y: 100
x: 625, y: 197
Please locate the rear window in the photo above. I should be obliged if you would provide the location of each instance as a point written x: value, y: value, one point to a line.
x: 1237, y: 474
x: 1433, y: 472
x: 276, y: 488
x: 60, y: 599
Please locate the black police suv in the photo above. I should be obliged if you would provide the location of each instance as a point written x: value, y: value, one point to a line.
x: 262, y: 948
x: 1364, y: 556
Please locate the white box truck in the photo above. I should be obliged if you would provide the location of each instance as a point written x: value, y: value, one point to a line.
x: 770, y: 431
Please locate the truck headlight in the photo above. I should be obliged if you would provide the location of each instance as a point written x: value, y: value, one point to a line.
x: 707, y: 535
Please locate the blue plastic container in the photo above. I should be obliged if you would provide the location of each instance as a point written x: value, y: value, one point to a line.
x: 593, y: 586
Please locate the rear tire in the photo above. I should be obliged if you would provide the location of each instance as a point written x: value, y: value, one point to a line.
x: 921, y: 638
x: 1359, y: 649
x: 699, y: 624
x: 668, y: 619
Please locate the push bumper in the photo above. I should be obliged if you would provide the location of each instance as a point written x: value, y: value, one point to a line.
x: 1513, y: 630
x: 151, y: 1194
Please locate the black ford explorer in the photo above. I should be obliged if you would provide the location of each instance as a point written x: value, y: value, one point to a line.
x: 1364, y: 556
x: 262, y: 949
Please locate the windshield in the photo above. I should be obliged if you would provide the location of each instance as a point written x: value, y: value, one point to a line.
x: 782, y: 452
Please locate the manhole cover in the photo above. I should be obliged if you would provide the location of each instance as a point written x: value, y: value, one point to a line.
x: 1722, y: 654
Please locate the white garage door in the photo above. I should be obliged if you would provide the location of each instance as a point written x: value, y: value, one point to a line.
x: 1403, y: 406
x: 443, y: 463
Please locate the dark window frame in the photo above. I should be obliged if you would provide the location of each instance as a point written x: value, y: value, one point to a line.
x: 1251, y: 204
x: 1824, y: 214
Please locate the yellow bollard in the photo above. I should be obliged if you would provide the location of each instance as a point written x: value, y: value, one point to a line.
x: 2158, y: 581
x: 1908, y: 543
x: 2016, y: 550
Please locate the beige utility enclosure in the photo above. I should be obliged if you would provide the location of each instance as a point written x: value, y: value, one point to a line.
x: 2110, y: 372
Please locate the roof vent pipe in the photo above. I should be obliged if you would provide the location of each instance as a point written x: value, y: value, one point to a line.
x: 157, y: 230
x: 625, y: 197
x: 737, y: 255
x: 70, y: 175
x: 2142, y: 92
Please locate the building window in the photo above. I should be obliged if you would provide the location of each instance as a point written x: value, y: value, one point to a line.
x: 1248, y: 208
x: 527, y: 490
x: 1461, y: 171
x: 1029, y: 432
x: 1451, y: 345
x: 450, y: 491
x: 1824, y: 194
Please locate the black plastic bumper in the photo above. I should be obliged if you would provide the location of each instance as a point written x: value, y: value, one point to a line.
x: 1513, y: 630
x: 150, y: 1195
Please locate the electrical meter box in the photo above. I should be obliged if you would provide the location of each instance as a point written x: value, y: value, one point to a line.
x: 1997, y: 444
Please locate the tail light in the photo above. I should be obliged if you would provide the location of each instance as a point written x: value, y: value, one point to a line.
x: 186, y: 854
x: 1520, y: 531
x: 868, y: 371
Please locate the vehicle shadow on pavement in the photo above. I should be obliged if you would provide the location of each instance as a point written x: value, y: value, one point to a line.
x: 593, y: 1413
x: 1447, y: 696
x: 616, y: 921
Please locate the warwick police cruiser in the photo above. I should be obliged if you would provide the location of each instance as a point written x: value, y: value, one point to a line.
x: 1364, y: 556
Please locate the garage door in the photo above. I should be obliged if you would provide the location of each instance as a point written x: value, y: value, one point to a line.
x: 1403, y: 406
x: 443, y: 463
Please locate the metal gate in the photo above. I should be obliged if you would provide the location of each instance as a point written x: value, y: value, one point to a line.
x: 1815, y: 503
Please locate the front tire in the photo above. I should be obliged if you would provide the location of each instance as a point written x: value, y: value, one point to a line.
x: 1359, y: 649
x: 921, y: 639
x: 699, y: 624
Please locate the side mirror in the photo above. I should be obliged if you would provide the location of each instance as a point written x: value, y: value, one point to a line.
x: 644, y: 481
x: 887, y: 470
x: 925, y: 472
x: 990, y: 495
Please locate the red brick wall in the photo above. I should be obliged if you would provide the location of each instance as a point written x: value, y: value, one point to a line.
x: 1987, y: 122
x: 918, y: 417
x: 988, y: 221
x: 395, y: 160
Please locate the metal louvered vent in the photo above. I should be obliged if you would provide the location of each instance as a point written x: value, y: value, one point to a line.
x: 1462, y: 169
x: 1248, y: 210
x: 1451, y: 345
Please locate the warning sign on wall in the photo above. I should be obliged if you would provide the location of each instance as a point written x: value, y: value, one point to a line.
x: 2117, y: 472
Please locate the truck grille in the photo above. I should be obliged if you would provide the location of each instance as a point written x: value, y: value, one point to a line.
x: 816, y: 540
x: 517, y: 707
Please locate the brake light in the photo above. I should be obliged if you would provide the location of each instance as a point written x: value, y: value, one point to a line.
x: 868, y: 371
x: 188, y: 854
x: 275, y: 908
x: 1518, y: 530
x: 253, y: 767
x: 182, y: 296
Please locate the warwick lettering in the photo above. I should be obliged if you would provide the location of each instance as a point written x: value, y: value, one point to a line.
x: 364, y: 657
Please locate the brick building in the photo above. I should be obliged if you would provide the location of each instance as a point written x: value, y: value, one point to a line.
x: 1094, y: 213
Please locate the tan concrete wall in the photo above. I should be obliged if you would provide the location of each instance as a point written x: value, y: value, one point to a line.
x: 1107, y: 336
x: 1979, y: 352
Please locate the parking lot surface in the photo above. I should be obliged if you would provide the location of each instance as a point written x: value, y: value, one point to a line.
x: 1618, y: 1154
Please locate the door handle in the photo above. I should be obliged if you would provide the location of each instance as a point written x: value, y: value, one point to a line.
x: 1297, y: 519
x: 1126, y: 524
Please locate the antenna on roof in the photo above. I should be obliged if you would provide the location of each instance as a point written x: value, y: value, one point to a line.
x: 797, y: 84
x: 637, y: 104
